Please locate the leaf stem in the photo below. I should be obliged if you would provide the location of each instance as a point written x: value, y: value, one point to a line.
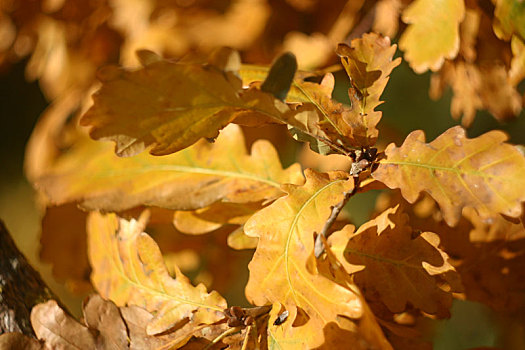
x: 222, y: 336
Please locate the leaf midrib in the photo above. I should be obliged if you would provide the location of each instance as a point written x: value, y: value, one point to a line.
x: 188, y: 170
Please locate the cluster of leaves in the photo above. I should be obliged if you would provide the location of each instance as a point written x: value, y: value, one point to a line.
x: 450, y: 225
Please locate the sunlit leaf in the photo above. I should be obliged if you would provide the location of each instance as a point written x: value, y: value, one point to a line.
x: 128, y: 269
x: 432, y: 34
x: 192, y: 178
x: 384, y: 252
x: 484, y: 173
x: 283, y: 269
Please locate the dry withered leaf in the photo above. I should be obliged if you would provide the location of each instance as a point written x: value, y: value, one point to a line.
x: 105, y: 326
x: 59, y: 330
x: 438, y: 23
x: 484, y: 173
x: 283, y: 270
x: 193, y: 178
x: 384, y: 251
x: 128, y: 269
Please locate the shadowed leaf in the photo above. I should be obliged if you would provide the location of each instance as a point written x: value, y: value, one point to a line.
x: 484, y: 173
x: 390, y: 265
x: 169, y: 106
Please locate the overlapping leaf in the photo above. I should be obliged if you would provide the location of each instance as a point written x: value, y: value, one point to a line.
x: 327, y: 124
x: 484, y: 173
x: 128, y: 269
x: 106, y: 327
x: 169, y: 106
x: 193, y: 178
x: 368, y: 62
x: 393, y: 266
x: 432, y: 33
x: 283, y: 269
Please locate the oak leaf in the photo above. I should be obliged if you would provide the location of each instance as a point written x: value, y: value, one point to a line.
x: 104, y: 328
x: 167, y: 105
x: 368, y: 62
x: 128, y: 269
x: 193, y: 178
x: 384, y: 252
x: 283, y: 269
x: 432, y: 33
x: 484, y: 173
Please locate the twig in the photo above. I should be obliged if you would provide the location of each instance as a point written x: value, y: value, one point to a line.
x: 336, y: 209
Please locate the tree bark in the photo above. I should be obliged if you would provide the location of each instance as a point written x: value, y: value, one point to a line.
x: 21, y: 287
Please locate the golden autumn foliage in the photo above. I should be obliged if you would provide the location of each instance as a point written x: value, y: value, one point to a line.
x: 163, y: 197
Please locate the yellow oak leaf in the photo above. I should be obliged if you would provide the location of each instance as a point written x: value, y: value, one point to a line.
x: 128, y: 269
x: 193, y: 178
x: 168, y: 106
x: 384, y: 252
x: 368, y: 62
x: 432, y: 33
x: 283, y: 270
x: 484, y: 173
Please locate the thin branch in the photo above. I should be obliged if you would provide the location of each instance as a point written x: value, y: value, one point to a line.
x: 319, y: 245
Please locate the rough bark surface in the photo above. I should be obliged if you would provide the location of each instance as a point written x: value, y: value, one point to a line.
x: 21, y: 287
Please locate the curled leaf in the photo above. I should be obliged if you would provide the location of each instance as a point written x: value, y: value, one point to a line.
x: 128, y: 269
